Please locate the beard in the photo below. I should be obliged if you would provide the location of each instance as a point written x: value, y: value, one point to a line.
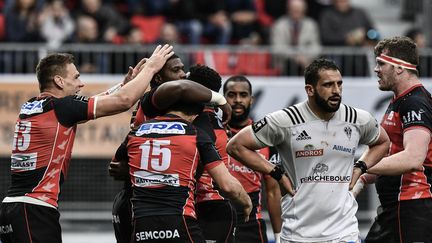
x: 323, y: 104
x: 235, y: 119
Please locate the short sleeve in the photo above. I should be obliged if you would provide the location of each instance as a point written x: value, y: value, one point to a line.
x: 75, y: 108
x: 267, y: 131
x: 148, y: 106
x: 206, y: 148
x: 369, y: 130
x: 415, y: 112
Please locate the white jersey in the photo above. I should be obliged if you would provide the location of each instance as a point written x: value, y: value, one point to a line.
x: 318, y: 156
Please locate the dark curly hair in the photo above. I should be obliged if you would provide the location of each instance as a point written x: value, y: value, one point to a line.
x: 401, y: 47
x: 237, y: 78
x: 205, y: 76
x: 311, y: 72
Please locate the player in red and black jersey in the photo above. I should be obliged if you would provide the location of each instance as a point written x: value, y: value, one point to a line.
x: 163, y: 156
x: 238, y: 92
x: 405, y: 176
x: 122, y: 208
x: 154, y: 103
x: 43, y: 140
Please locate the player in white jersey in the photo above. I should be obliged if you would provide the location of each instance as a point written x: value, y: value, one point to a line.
x: 316, y: 140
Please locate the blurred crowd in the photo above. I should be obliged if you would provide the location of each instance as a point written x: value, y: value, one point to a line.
x: 304, y: 26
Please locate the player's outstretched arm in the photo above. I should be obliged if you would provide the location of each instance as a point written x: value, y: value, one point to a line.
x: 232, y: 187
x: 416, y: 144
x: 243, y: 146
x: 126, y: 97
x: 189, y: 91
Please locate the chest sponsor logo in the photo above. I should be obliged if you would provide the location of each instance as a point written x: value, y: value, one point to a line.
x: 303, y: 136
x: 309, y: 151
x: 21, y: 161
x: 240, y: 168
x: 157, y: 235
x: 162, y: 128
x: 32, y: 107
x: 320, y: 174
x: 344, y: 149
x: 413, y: 117
x: 147, y: 178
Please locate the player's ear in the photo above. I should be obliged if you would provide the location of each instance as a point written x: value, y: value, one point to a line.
x: 309, y: 90
x: 158, y: 79
x: 59, y: 81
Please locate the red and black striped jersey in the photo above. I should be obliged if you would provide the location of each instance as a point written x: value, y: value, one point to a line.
x: 210, y: 122
x: 410, y: 110
x: 163, y: 154
x: 250, y: 179
x: 42, y: 144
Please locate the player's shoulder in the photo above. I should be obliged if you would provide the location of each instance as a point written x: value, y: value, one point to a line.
x: 290, y: 116
x: 353, y: 115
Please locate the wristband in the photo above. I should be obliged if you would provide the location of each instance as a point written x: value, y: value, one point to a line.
x: 114, y: 88
x: 277, y: 237
x: 217, y: 98
x: 358, y: 187
x: 361, y: 165
x: 276, y: 173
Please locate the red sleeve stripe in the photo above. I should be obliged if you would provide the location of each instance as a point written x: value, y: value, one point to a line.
x: 91, y: 108
x: 213, y: 164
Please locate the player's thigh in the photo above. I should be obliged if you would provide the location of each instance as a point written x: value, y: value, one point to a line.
x: 415, y: 220
x: 29, y: 223
x: 167, y: 228
x: 253, y: 231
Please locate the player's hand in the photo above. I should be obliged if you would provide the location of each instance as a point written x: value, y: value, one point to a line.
x: 247, y: 209
x: 357, y: 172
x: 133, y: 71
x: 158, y: 58
x: 227, y: 111
x: 286, y: 186
x: 119, y: 170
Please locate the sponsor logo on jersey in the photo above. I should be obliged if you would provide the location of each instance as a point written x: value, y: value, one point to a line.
x: 147, y: 178
x: 81, y: 98
x: 157, y: 235
x: 309, y: 151
x: 240, y: 168
x: 6, y: 229
x: 413, y: 117
x: 275, y: 159
x: 256, y: 126
x: 319, y: 174
x: 344, y: 149
x: 348, y: 132
x: 21, y: 161
x: 162, y: 128
x: 303, y: 136
x: 34, y: 107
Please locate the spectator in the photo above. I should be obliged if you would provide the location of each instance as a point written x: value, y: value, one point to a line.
x: 243, y: 17
x: 169, y: 34
x: 344, y: 25
x: 87, y: 31
x: 296, y: 31
x: 56, y: 24
x: 215, y: 21
x: 267, y: 12
x: 417, y: 36
x: 22, y: 23
x: 134, y: 36
x: 109, y: 21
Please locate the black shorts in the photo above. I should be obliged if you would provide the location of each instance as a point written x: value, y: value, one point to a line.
x: 253, y: 231
x: 122, y: 216
x: 167, y: 228
x: 217, y: 220
x: 29, y: 223
x: 405, y: 222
